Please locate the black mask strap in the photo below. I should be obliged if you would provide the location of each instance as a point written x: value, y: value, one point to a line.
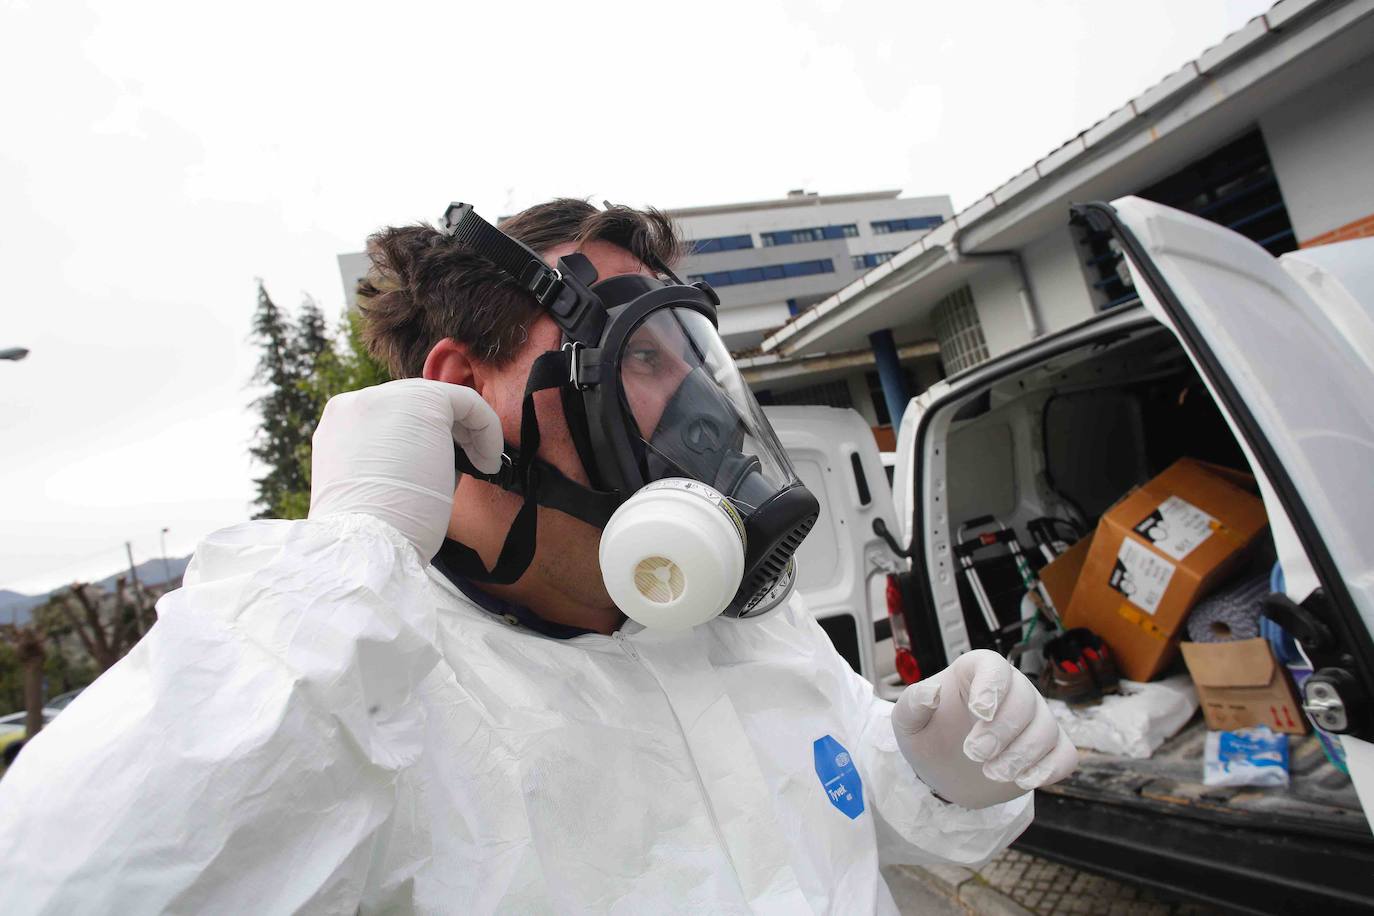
x: 536, y: 480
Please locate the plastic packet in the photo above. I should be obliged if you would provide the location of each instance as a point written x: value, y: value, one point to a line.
x: 1246, y: 757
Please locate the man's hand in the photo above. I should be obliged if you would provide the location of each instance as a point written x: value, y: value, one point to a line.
x: 979, y: 733
x: 387, y: 451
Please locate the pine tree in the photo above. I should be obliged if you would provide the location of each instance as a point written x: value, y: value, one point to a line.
x: 301, y: 366
x: 310, y: 340
x: 285, y: 413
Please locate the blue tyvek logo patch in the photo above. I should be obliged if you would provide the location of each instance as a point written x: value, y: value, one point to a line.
x: 838, y: 776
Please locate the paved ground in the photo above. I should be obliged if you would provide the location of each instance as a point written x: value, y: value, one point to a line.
x: 1018, y: 884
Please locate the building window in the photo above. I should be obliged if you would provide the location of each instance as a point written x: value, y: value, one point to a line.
x: 1235, y: 187
x: 1107, y: 272
x: 868, y: 261
x: 911, y: 224
x: 814, y: 234
x: 767, y: 272
x: 959, y: 331
x: 723, y: 243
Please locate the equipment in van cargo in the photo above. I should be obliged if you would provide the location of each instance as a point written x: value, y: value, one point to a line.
x: 1133, y: 722
x: 1240, y: 684
x: 1246, y: 757
x: 1154, y: 553
x: 1061, y: 575
x: 1219, y: 319
x: 1002, y: 634
x: 1230, y: 614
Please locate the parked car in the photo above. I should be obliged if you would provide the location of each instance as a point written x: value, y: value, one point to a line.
x: 12, y: 732
x: 12, y: 726
x: 63, y: 700
x: 1230, y: 356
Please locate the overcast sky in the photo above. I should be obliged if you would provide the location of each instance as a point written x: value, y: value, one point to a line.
x: 156, y: 157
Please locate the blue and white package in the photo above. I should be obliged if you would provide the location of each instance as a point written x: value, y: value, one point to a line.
x: 1246, y: 757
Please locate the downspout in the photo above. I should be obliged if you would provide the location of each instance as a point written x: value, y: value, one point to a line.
x: 1029, y: 310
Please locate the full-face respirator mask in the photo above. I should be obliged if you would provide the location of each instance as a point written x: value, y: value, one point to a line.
x: 700, y: 509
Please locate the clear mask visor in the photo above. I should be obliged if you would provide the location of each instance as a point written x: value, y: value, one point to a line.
x: 694, y: 414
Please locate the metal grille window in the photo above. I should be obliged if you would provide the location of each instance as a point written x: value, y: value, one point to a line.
x: 959, y: 331
x: 1234, y: 186
x: 1108, y: 274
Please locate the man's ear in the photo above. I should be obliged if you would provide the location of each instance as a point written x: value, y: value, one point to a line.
x: 450, y: 361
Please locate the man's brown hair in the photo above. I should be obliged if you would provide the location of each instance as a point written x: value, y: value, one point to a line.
x: 423, y: 286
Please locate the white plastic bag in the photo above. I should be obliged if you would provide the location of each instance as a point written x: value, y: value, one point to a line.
x: 1134, y: 722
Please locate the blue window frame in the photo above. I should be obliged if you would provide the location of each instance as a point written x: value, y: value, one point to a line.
x: 722, y: 243
x: 769, y: 272
x: 869, y: 261
x: 812, y: 234
x: 911, y: 224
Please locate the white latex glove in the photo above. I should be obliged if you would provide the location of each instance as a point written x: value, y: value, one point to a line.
x: 978, y: 733
x: 387, y: 451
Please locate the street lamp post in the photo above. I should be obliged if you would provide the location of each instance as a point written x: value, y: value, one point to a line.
x: 166, y: 568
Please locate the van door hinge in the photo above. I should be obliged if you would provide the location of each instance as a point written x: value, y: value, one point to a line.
x: 1333, y: 696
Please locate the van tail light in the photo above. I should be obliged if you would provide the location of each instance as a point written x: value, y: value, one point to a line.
x: 907, y: 667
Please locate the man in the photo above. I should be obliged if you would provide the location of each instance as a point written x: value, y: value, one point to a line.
x: 320, y: 721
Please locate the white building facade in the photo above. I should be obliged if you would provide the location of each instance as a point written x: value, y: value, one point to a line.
x: 770, y: 260
x: 1270, y: 132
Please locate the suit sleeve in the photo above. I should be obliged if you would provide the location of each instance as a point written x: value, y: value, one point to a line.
x: 243, y: 756
x: 913, y: 826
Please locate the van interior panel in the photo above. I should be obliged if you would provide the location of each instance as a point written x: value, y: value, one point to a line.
x: 1065, y: 439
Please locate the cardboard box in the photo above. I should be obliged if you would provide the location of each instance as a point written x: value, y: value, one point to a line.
x: 1240, y: 684
x: 1154, y: 554
x: 1060, y: 575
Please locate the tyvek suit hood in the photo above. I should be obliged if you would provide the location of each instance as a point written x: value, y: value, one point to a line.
x: 317, y: 725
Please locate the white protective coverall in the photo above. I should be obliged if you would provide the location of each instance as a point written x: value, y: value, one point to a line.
x: 318, y: 724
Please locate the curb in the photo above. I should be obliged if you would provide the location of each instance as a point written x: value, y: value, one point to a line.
x: 964, y: 886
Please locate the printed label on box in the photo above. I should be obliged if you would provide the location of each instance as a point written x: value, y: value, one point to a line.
x: 1176, y: 527
x: 1141, y: 575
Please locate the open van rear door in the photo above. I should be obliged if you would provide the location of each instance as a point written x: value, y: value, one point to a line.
x: 1285, y: 346
x: 841, y: 565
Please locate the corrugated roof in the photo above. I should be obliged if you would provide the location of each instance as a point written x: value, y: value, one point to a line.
x: 1166, y: 91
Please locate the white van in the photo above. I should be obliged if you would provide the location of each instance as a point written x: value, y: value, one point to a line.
x: 843, y: 567
x: 1231, y: 356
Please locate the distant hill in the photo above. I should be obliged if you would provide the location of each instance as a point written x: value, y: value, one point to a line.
x: 17, y: 608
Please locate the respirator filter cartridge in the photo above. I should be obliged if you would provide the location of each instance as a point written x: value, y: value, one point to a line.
x: 672, y: 556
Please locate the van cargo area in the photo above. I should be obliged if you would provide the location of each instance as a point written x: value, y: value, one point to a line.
x: 1064, y: 438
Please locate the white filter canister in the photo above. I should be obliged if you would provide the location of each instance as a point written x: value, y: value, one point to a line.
x: 672, y: 556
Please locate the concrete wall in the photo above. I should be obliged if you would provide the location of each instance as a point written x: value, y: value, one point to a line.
x: 995, y: 290
x: 745, y: 325
x: 1321, y: 142
x: 1054, y: 263
x: 352, y: 268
